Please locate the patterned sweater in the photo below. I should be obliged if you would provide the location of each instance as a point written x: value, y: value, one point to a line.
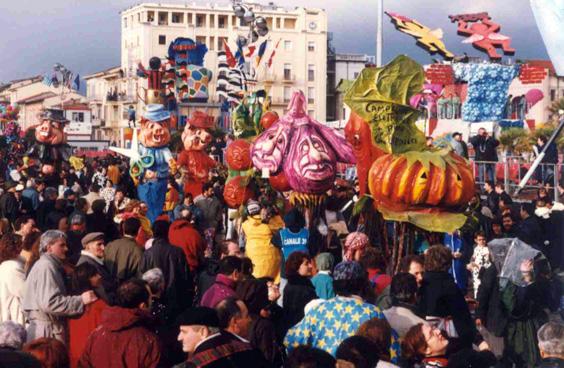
x: 328, y: 324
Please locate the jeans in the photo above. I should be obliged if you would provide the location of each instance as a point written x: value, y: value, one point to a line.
x: 487, y: 170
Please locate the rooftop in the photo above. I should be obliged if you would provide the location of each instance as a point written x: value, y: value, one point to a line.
x: 221, y: 5
x: 105, y: 72
x: 37, y: 98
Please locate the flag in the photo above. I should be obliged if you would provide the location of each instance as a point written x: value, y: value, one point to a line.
x: 68, y: 78
x: 273, y: 53
x: 229, y: 55
x: 76, y: 82
x: 261, y: 50
x: 47, y: 81
x: 239, y: 54
x: 250, y: 51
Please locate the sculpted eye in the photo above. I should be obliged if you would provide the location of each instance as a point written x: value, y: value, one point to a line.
x: 424, y: 175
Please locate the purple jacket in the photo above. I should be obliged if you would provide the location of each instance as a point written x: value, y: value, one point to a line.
x: 223, y: 288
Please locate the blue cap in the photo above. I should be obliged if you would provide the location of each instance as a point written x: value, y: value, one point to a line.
x: 156, y: 112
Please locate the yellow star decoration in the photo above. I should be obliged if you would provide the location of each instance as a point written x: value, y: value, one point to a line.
x: 330, y: 333
x: 313, y: 320
x: 330, y: 315
x: 348, y: 309
x: 321, y: 325
x: 367, y: 310
x: 393, y: 354
x: 296, y: 344
x: 346, y: 326
x: 321, y: 343
x: 337, y: 324
x: 339, y: 308
x: 321, y: 308
x: 291, y: 332
x: 356, y: 317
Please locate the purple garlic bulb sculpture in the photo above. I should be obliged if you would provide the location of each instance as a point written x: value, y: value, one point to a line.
x: 303, y: 149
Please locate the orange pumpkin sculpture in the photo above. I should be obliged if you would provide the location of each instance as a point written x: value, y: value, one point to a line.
x: 421, y: 180
x: 238, y: 155
x: 236, y: 192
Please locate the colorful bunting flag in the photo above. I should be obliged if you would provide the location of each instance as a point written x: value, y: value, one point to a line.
x: 250, y: 51
x: 273, y: 53
x: 229, y: 55
x: 261, y: 51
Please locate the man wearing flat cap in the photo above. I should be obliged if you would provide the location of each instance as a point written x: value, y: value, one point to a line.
x: 93, y: 253
x: 208, y: 337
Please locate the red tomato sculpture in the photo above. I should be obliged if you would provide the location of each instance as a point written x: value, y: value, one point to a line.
x: 268, y: 119
x: 238, y: 155
x: 280, y: 182
x: 235, y: 194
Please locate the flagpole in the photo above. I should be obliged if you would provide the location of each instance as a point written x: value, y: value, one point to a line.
x: 379, y: 33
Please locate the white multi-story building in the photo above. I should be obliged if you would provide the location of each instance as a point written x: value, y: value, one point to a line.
x: 300, y: 61
x: 342, y: 69
x: 33, y: 96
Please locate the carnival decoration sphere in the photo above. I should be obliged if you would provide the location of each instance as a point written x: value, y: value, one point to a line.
x: 238, y: 155
x: 279, y: 183
x: 237, y: 192
x: 268, y: 119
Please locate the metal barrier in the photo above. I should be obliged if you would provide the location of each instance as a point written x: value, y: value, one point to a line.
x: 512, y: 169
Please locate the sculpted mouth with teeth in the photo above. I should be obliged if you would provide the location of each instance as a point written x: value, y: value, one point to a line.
x: 49, y: 132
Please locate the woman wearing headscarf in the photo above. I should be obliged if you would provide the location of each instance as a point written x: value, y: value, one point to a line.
x: 355, y: 244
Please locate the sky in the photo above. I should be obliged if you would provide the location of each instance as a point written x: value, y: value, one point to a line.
x: 84, y: 35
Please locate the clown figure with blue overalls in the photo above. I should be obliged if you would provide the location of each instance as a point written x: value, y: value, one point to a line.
x: 156, y: 159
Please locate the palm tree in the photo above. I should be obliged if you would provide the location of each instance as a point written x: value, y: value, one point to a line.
x: 555, y: 107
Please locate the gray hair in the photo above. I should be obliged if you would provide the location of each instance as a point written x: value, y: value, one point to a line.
x: 48, y: 238
x: 12, y: 335
x: 155, y: 279
x: 551, y: 338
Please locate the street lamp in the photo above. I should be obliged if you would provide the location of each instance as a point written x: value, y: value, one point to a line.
x: 61, y: 77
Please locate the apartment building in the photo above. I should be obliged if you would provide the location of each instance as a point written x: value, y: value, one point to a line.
x: 147, y: 30
x: 33, y: 96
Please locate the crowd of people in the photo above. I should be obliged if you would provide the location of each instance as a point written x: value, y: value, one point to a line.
x: 86, y: 280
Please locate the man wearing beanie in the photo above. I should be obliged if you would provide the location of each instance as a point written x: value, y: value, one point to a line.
x: 326, y: 325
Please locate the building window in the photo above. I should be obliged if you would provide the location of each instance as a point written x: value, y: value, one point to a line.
x: 277, y: 22
x: 163, y: 18
x: 201, y: 39
x: 221, y: 43
x: 311, y: 113
x: 311, y: 46
x: 289, y: 23
x: 190, y: 23
x: 138, y: 17
x: 287, y: 94
x: 200, y: 20
x: 287, y: 45
x: 222, y: 21
x: 287, y: 71
x: 552, y: 94
x: 311, y: 73
x: 212, y: 43
x: 310, y: 95
x: 78, y: 117
x: 125, y: 22
x: 150, y: 16
x: 177, y: 17
x: 212, y: 20
x: 162, y: 40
